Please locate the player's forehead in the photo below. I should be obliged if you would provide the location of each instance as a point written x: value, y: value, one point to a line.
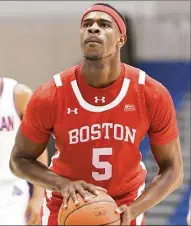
x: 97, y: 15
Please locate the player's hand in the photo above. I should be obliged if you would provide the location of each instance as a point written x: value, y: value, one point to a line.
x: 80, y: 187
x: 125, y: 213
x: 33, y: 212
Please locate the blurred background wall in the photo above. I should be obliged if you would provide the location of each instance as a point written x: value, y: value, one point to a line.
x: 41, y: 38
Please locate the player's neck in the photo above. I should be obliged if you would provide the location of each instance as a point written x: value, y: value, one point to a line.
x: 101, y: 73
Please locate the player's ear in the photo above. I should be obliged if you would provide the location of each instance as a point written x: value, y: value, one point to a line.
x: 121, y: 40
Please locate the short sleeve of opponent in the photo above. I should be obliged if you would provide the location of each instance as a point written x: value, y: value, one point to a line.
x: 38, y: 119
x: 162, y: 115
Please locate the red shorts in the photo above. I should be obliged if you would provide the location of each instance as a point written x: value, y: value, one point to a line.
x: 53, y: 201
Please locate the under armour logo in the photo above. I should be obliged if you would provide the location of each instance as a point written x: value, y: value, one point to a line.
x: 101, y: 99
x: 129, y: 107
x: 69, y: 111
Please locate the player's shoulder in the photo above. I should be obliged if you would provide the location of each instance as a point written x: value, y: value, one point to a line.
x: 140, y: 76
x: 22, y: 95
x: 153, y: 89
x: 48, y: 90
x: 45, y: 92
x: 135, y: 75
x: 22, y: 89
x: 18, y: 88
x: 65, y: 77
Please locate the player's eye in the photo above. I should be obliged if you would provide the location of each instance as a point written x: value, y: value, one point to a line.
x: 105, y: 25
x: 86, y: 25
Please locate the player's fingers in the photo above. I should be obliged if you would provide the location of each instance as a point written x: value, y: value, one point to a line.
x: 86, y: 186
x: 82, y: 192
x: 95, y: 189
x: 124, y: 218
x: 73, y: 195
x: 83, y: 184
x: 121, y: 209
x: 66, y: 196
x: 101, y: 189
x: 91, y: 189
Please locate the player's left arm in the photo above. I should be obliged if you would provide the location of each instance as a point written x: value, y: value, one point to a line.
x: 22, y: 96
x: 165, y: 146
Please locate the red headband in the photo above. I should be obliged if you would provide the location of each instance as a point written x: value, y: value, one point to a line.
x: 109, y: 11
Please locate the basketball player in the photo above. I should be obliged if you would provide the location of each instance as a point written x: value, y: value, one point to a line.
x: 15, y: 205
x: 99, y: 112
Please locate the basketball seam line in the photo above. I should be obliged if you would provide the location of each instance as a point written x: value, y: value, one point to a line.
x: 82, y: 207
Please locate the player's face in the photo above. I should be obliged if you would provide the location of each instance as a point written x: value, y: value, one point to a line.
x: 99, y: 36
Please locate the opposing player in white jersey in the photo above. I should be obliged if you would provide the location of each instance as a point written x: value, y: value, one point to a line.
x: 16, y: 205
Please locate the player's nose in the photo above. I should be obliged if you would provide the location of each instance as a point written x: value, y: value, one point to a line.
x: 94, y: 29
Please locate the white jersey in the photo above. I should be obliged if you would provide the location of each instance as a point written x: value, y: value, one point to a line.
x: 9, y: 124
x: 13, y: 190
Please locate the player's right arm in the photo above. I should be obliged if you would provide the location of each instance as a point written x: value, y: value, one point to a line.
x: 31, y: 141
x: 24, y: 163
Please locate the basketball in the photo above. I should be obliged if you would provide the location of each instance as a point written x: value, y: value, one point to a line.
x: 98, y: 210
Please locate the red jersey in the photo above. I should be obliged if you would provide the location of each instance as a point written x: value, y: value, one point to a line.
x: 98, y: 131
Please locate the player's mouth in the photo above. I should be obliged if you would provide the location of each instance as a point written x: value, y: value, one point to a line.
x: 93, y: 40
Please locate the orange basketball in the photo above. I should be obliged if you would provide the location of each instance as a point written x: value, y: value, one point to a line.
x: 98, y: 210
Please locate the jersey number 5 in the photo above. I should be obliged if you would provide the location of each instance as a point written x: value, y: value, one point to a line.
x: 97, y: 152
